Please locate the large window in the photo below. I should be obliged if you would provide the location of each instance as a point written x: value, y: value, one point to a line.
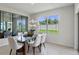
x: 24, y: 23
x: 13, y: 21
x: 6, y: 21
x: 43, y: 22
x: 53, y: 24
x: 20, y: 23
x: 49, y: 24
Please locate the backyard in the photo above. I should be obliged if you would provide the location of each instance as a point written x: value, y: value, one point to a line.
x: 51, y: 31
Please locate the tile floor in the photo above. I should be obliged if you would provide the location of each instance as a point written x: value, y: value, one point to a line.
x: 50, y: 49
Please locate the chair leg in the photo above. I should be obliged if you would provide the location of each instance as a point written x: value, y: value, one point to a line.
x: 10, y: 51
x: 16, y: 53
x: 28, y: 48
x: 44, y: 44
x: 33, y: 50
x: 39, y: 47
x: 23, y: 49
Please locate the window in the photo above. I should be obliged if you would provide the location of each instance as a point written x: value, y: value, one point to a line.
x: 6, y: 21
x: 21, y: 24
x: 49, y: 24
x: 14, y: 21
x: 52, y: 24
x: 43, y: 22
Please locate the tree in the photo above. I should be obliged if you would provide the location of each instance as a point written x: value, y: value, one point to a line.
x: 55, y: 21
x: 49, y: 21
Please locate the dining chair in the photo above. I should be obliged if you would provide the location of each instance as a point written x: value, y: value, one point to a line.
x: 35, y: 43
x: 30, y: 40
x: 43, y: 39
x: 20, y: 33
x: 25, y: 33
x: 15, y: 46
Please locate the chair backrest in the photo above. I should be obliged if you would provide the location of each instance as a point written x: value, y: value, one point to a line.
x: 35, y: 34
x: 12, y: 43
x: 20, y: 33
x: 25, y: 32
x: 43, y: 37
x: 37, y: 41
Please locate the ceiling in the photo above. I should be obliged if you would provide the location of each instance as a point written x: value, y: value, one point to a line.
x: 32, y: 8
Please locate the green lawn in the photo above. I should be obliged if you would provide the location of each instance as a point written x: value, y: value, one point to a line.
x: 49, y: 31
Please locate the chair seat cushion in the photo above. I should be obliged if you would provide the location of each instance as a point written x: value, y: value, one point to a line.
x: 19, y: 45
x: 31, y: 42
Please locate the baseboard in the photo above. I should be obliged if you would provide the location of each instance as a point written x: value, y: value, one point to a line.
x: 61, y: 45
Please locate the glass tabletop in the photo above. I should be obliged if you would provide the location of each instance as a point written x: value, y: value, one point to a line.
x: 23, y: 39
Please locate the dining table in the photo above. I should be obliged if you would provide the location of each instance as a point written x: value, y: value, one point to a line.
x: 24, y: 40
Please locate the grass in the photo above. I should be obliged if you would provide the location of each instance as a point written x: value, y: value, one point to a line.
x: 49, y: 31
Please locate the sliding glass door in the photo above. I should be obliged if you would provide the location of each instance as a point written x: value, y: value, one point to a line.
x: 24, y: 24
x: 20, y: 23
x: 6, y: 21
x: 15, y: 22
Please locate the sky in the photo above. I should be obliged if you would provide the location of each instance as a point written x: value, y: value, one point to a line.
x: 42, y: 18
x: 21, y: 21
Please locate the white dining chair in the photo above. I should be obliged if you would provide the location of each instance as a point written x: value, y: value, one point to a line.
x: 13, y: 45
x: 25, y: 33
x: 20, y: 36
x: 36, y: 43
x: 43, y: 39
x: 20, y: 33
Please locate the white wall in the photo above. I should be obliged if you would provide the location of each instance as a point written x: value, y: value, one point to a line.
x: 66, y: 25
x: 76, y: 10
